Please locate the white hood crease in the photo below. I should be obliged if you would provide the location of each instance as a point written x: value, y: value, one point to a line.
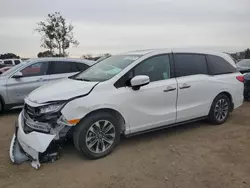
x: 61, y: 90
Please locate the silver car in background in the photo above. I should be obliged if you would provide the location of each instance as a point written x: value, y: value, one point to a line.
x: 19, y: 81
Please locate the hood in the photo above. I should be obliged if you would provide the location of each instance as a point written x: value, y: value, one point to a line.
x: 61, y: 90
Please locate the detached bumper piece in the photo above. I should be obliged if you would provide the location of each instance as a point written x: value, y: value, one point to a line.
x: 16, y: 152
x: 36, y: 147
x: 19, y: 155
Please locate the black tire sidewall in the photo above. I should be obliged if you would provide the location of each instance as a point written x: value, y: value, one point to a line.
x: 81, y: 131
x: 1, y: 106
x: 212, y: 117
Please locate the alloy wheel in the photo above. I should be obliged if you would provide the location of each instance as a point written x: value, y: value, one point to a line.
x: 100, y: 136
x: 221, y: 110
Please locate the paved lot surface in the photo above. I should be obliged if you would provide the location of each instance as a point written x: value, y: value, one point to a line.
x: 191, y: 156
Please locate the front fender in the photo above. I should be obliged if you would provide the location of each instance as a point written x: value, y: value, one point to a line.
x: 79, y: 108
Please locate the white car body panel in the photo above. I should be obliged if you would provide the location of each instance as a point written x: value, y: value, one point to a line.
x: 196, y: 101
x: 146, y: 108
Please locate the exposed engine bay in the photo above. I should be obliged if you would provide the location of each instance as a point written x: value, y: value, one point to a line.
x: 38, y: 137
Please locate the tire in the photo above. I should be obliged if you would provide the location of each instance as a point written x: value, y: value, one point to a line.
x: 220, y: 110
x: 94, y: 142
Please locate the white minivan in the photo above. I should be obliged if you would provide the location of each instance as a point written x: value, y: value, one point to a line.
x: 127, y: 94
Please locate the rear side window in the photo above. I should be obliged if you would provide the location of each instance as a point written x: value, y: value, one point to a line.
x: 61, y: 67
x: 17, y: 62
x: 218, y: 65
x: 190, y: 64
x: 8, y: 62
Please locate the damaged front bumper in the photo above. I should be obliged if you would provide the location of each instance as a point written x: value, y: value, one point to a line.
x: 31, y: 146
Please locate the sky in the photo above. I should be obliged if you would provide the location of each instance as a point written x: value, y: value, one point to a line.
x: 114, y: 26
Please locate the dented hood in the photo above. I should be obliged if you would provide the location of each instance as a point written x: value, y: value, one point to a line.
x: 61, y: 90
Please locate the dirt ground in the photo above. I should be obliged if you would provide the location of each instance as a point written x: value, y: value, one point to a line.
x: 195, y: 155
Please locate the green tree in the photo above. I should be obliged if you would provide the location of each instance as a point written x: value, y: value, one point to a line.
x: 56, y: 34
x: 46, y: 53
x: 9, y: 56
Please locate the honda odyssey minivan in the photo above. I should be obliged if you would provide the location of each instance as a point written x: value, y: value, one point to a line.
x: 127, y: 94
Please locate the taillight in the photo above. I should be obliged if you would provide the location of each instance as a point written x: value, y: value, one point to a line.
x: 240, y: 78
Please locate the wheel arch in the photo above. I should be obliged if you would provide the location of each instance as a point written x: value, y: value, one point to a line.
x: 113, y: 112
x: 229, y: 97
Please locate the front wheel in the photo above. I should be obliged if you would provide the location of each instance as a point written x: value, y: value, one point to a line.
x: 220, y: 109
x: 97, y: 135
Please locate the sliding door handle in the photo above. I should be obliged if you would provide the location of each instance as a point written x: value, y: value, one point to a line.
x: 185, y: 86
x: 169, y: 88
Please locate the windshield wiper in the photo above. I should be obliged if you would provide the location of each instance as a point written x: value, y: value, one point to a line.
x: 82, y: 79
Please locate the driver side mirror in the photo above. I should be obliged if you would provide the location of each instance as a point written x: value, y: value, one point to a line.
x: 139, y: 81
x: 17, y: 75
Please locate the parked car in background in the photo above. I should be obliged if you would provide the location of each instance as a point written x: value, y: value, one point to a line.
x: 244, y: 66
x: 17, y: 82
x: 10, y: 62
x: 247, y: 86
x: 128, y: 94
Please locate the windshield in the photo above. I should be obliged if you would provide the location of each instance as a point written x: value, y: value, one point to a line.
x: 244, y: 63
x: 107, y: 68
x: 12, y: 69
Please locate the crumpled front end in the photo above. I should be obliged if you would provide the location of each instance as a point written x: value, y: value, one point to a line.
x: 37, y: 137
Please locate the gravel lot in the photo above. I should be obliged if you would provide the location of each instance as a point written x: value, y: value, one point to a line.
x: 195, y: 155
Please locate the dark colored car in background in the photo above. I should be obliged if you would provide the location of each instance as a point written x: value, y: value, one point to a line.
x: 247, y: 86
x: 244, y: 66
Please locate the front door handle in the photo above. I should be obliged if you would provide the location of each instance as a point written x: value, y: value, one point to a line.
x: 185, y: 86
x: 169, y: 88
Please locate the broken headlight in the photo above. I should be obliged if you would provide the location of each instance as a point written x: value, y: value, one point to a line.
x: 51, y: 108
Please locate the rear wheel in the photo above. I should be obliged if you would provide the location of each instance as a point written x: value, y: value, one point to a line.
x: 97, y: 135
x: 220, y: 110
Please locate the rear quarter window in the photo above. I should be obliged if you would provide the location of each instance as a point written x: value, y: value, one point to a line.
x: 218, y: 65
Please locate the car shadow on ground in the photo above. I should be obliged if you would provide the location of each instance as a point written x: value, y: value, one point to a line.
x: 165, y: 132
x: 125, y: 142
